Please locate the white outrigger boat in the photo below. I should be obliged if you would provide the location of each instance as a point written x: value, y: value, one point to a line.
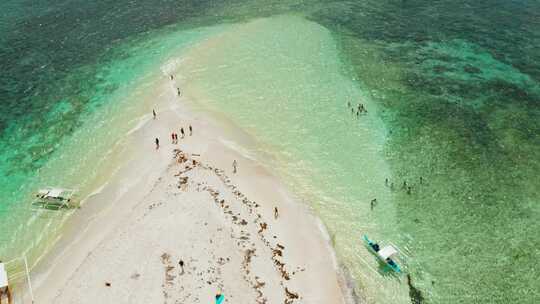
x: 385, y: 254
x: 54, y: 198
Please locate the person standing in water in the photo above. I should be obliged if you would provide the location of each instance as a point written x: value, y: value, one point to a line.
x: 157, y: 143
x: 178, y: 91
x: 154, y: 113
x: 190, y: 130
x: 234, y: 164
x: 373, y: 203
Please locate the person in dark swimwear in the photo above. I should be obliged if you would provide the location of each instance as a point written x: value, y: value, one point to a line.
x: 190, y: 130
x: 154, y: 113
x: 157, y: 143
x: 182, y: 132
x: 373, y: 203
x: 181, y: 263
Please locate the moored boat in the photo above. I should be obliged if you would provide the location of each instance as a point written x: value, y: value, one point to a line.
x: 384, y: 254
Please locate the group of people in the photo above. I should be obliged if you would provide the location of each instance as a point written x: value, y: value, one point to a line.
x: 174, y: 135
x: 361, y: 109
x: 178, y: 93
x: 404, y: 186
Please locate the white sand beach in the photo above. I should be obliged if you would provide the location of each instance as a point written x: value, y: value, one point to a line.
x: 182, y: 204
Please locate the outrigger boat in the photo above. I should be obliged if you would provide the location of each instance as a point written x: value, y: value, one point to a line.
x: 54, y: 198
x: 384, y: 254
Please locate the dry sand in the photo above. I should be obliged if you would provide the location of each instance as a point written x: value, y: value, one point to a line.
x: 184, y: 203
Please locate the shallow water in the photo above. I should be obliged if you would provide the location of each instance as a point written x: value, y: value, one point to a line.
x: 452, y: 90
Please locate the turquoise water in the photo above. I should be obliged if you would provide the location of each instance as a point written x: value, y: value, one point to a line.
x: 452, y: 90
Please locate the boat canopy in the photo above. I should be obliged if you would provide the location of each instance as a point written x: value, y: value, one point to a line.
x: 55, y: 193
x: 3, y: 276
x: 387, y: 252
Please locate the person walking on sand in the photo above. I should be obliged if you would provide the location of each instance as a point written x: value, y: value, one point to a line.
x: 181, y: 263
x: 157, y: 143
x: 175, y: 138
x: 178, y: 91
x: 190, y: 130
x: 172, y: 137
x: 234, y: 164
x: 276, y: 213
x: 154, y: 113
x: 172, y: 77
x: 182, y: 132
